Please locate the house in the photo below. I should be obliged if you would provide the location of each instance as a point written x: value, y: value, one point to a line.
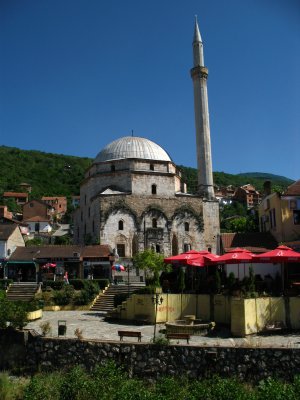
x: 279, y: 213
x: 58, y: 203
x: 248, y: 195
x: 38, y: 215
x: 10, y: 239
x: 4, y: 213
x: 19, y: 197
x: 77, y: 260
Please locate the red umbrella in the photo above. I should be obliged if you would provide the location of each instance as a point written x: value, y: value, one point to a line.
x: 204, y: 259
x: 279, y: 255
x: 282, y: 254
x: 49, y: 265
x: 183, y: 257
x: 236, y: 256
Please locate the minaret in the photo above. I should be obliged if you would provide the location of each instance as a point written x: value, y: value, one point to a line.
x: 199, y: 75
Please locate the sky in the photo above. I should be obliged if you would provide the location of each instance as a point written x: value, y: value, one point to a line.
x: 76, y: 75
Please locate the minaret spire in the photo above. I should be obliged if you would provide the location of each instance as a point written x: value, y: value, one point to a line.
x: 199, y: 75
x: 197, y: 46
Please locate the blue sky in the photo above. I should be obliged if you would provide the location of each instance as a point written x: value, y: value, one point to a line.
x: 77, y: 74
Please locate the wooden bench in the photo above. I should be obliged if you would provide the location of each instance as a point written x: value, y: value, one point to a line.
x: 186, y: 336
x: 130, y: 334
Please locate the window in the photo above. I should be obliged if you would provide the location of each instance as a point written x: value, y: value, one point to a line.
x: 296, y: 217
x: 154, y: 223
x: 272, y: 218
x: 93, y: 226
x: 37, y: 227
x: 85, y: 199
x: 89, y: 211
x: 186, y: 226
x: 186, y: 247
x: 81, y: 216
x: 31, y: 205
x: 121, y: 249
x: 112, y: 168
x: 121, y: 225
x: 157, y: 248
x: 153, y: 189
x: 151, y: 167
x: 209, y: 249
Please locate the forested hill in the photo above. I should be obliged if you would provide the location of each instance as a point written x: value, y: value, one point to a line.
x: 49, y: 174
x: 56, y: 174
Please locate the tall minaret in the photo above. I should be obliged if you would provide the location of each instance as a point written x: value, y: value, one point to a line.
x: 199, y: 75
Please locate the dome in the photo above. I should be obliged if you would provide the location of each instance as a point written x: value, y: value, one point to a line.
x: 132, y: 147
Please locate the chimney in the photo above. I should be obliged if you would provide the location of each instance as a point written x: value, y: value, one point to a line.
x: 267, y: 188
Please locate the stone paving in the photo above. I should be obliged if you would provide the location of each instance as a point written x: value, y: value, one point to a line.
x: 94, y: 326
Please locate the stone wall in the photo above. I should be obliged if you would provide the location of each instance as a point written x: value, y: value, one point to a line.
x: 148, y: 360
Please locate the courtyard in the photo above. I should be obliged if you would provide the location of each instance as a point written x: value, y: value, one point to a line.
x: 94, y: 327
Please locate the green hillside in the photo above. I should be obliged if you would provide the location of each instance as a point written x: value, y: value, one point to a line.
x: 49, y: 174
x: 57, y: 174
x: 223, y: 179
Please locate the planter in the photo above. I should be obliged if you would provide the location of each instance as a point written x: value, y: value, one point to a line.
x: 33, y: 315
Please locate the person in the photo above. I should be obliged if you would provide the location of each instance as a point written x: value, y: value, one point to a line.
x: 66, y: 278
x: 19, y: 276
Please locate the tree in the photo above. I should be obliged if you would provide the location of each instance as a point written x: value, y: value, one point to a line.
x: 151, y: 262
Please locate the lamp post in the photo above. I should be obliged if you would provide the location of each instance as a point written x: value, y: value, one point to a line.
x: 156, y: 300
x: 128, y: 268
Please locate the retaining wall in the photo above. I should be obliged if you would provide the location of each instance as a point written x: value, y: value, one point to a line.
x: 36, y: 353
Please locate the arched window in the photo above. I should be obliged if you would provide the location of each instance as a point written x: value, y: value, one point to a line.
x: 151, y: 167
x: 121, y: 225
x: 186, y: 227
x: 154, y: 223
x: 153, y: 189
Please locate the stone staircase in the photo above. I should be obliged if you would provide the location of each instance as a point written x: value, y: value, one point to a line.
x: 24, y: 291
x: 105, y: 301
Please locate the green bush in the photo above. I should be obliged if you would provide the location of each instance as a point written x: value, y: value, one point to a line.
x: 56, y: 285
x: 64, y: 297
x: 44, y: 387
x: 81, y: 298
x: 4, y: 282
x: 119, y: 298
x: 102, y: 283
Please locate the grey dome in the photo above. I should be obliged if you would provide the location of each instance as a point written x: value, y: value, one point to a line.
x: 132, y: 147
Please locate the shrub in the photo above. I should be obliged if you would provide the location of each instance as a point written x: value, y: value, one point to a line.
x: 102, y: 283
x: 81, y: 298
x: 78, y: 333
x: 4, y: 283
x: 44, y: 387
x: 45, y: 328
x: 64, y: 296
x: 56, y: 285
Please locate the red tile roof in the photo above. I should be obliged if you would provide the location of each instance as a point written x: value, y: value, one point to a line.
x: 257, y: 242
x: 15, y: 194
x: 68, y: 251
x: 293, y: 189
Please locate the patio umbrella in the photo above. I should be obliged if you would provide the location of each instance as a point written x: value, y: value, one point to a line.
x: 236, y: 256
x: 282, y: 254
x: 118, y: 267
x: 183, y: 257
x: 49, y: 265
x: 203, y: 259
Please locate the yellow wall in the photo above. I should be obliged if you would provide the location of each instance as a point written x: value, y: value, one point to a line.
x: 285, y: 229
x: 252, y: 315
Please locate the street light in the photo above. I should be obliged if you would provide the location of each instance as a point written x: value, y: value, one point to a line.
x: 157, y: 301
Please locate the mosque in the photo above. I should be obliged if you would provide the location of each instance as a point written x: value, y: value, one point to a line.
x: 133, y: 197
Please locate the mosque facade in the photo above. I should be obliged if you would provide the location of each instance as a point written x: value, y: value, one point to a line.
x: 133, y: 196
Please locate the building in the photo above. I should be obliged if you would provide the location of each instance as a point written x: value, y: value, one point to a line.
x: 10, y: 238
x: 38, y: 215
x: 248, y: 195
x: 19, y: 197
x: 133, y: 197
x: 280, y: 213
x: 78, y: 261
x: 58, y: 203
